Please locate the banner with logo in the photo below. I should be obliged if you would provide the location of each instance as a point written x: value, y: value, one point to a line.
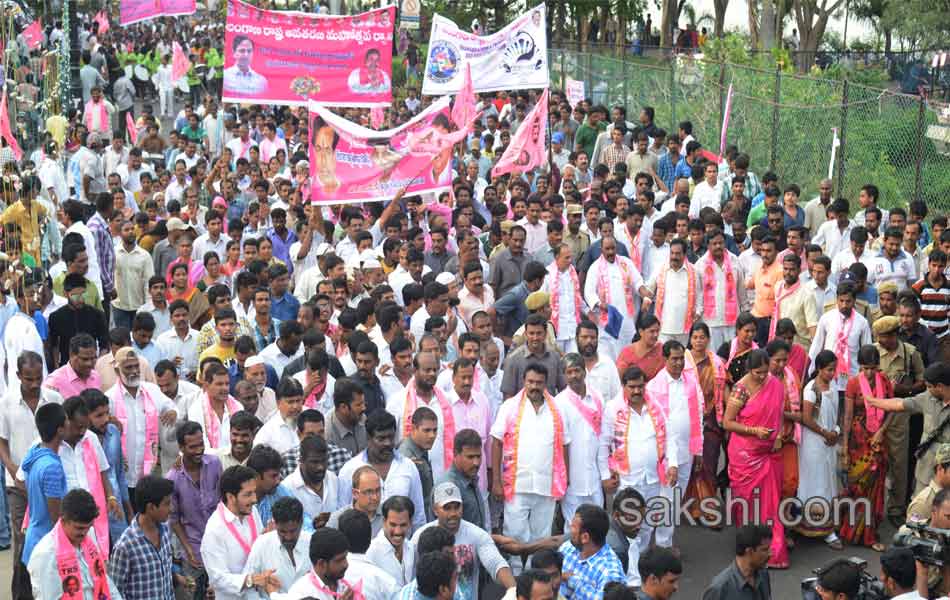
x: 350, y: 163
x: 409, y: 14
x: 574, y: 90
x: 514, y: 58
x: 133, y: 11
x: 290, y: 58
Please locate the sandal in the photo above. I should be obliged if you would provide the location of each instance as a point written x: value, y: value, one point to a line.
x: 878, y: 547
x: 836, y: 545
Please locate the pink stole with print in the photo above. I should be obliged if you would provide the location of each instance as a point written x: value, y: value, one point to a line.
x: 659, y: 389
x: 151, y: 424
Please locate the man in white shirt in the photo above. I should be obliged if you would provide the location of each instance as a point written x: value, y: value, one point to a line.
x: 78, y: 514
x: 536, y: 230
x: 613, y: 281
x: 180, y: 344
x: 656, y: 252
x: 728, y: 288
x: 325, y: 580
x: 280, y: 431
x: 534, y: 438
x: 893, y: 263
x: 361, y: 571
x: 563, y: 285
x: 843, y: 331
x: 820, y: 283
x: 211, y: 240
x: 132, y: 400
x: 18, y: 433
x: 834, y: 235
x: 229, y: 537
x: 402, y: 476
x: 286, y: 348
x: 707, y: 192
x: 312, y: 482
x: 857, y: 252
x: 116, y: 154
x: 677, y: 293
x: 629, y: 452
x: 182, y: 393
x: 286, y: 550
x: 391, y: 549
x: 582, y: 404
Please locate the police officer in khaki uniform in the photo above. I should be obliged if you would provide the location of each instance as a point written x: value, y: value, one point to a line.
x: 922, y: 505
x: 934, y: 405
x: 902, y: 364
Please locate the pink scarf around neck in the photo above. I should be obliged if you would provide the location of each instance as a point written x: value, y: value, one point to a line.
x: 709, y: 289
x: 151, y: 424
x: 103, y: 115
x: 659, y: 390
x: 554, y: 273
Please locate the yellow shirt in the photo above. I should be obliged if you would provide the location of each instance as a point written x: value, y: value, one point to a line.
x: 90, y: 297
x: 56, y: 125
x: 225, y: 355
x: 28, y: 223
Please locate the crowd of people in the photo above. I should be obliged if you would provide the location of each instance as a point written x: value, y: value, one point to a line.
x: 216, y: 388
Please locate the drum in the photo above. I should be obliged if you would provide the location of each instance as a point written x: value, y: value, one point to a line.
x: 128, y: 71
x: 141, y: 73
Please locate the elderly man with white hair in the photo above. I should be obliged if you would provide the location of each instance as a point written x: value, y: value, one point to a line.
x: 255, y: 372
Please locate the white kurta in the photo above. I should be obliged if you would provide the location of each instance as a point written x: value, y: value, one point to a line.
x: 395, y: 406
x: 224, y: 559
x: 268, y: 553
x: 822, y: 460
x: 44, y: 573
x: 196, y: 413
x: 826, y: 338
x: 584, y: 480
x: 20, y: 336
x: 566, y: 325
x: 676, y: 289
x: 135, y: 426
x: 616, y: 294
x: 382, y: 553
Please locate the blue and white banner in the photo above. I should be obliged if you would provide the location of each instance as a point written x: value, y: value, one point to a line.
x: 514, y: 58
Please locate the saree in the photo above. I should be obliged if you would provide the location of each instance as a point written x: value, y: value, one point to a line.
x: 822, y: 460
x: 798, y: 361
x: 755, y: 471
x: 867, y: 470
x: 650, y: 363
x: 704, y: 482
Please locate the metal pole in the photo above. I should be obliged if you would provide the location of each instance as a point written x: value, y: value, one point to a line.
x: 75, y: 85
x: 843, y: 136
x: 722, y: 98
x: 623, y: 62
x: 775, y: 116
x: 920, y: 148
x: 563, y: 74
x: 673, y: 90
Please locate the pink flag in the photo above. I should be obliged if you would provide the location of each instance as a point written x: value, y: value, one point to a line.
x: 33, y: 35
x: 103, y: 20
x: 725, y: 122
x: 180, y: 62
x: 5, y: 131
x: 463, y: 111
x: 130, y: 126
x: 526, y: 150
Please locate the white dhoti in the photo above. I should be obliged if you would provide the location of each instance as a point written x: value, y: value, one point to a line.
x: 720, y: 335
x: 528, y: 517
x: 664, y: 533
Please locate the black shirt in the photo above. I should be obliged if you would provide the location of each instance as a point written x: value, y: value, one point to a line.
x: 372, y: 393
x: 66, y: 322
x: 731, y: 585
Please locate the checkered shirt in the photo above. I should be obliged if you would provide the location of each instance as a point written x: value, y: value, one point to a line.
x: 139, y: 571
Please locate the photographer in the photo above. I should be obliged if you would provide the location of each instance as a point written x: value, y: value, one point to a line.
x: 840, y: 580
x: 933, y: 580
x: 898, y: 573
x: 934, y: 404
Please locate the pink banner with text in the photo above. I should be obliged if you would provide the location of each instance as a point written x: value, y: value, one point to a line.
x: 133, y: 11
x: 350, y: 163
x: 290, y: 58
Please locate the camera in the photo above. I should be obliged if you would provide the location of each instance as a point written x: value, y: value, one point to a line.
x: 930, y: 545
x: 871, y: 588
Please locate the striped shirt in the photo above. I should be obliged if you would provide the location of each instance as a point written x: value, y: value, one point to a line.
x: 934, y: 305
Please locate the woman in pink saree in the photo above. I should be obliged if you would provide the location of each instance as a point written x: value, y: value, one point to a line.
x: 754, y: 416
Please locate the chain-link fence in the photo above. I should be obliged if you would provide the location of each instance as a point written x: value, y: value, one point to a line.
x: 785, y: 122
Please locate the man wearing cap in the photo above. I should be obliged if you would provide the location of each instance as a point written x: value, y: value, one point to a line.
x: 577, y: 239
x: 166, y: 250
x: 537, y: 303
x: 559, y: 153
x: 922, y: 505
x: 902, y: 364
x: 474, y: 548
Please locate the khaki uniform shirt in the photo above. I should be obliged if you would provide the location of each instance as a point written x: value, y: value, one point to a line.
x: 578, y: 243
x: 934, y: 412
x: 922, y: 504
x: 905, y: 360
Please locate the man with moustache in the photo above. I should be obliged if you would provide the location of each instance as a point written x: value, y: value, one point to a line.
x: 110, y: 438
x: 286, y: 549
x: 324, y: 581
x: 474, y: 548
x: 182, y: 393
x: 280, y: 431
x: 367, y: 489
x: 243, y: 426
x: 467, y: 460
x: 582, y: 404
x: 400, y: 472
x: 315, y: 486
x: 255, y: 371
x: 416, y: 446
x: 390, y: 549
x: 194, y: 499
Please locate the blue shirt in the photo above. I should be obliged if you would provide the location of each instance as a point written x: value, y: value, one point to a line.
x: 683, y: 169
x: 282, y: 247
x: 666, y: 170
x: 590, y: 575
x: 266, y: 504
x: 112, y: 446
x: 284, y: 308
x: 45, y: 478
x: 150, y: 353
